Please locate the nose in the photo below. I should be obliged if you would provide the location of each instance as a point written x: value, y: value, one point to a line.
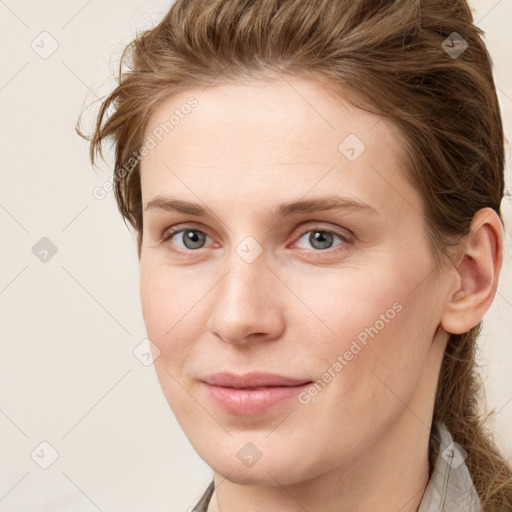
x: 247, y: 304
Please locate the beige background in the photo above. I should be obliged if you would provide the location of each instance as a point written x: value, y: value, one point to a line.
x: 68, y: 328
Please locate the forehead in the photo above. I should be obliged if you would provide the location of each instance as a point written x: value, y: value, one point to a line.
x: 241, y: 136
x: 279, y: 111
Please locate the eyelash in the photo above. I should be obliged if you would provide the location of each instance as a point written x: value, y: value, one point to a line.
x: 345, y: 238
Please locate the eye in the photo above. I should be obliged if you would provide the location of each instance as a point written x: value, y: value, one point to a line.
x: 321, y: 239
x: 191, y: 239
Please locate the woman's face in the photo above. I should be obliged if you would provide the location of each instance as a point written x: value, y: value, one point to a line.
x: 346, y: 297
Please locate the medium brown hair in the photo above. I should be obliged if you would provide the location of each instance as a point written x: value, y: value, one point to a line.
x: 388, y: 57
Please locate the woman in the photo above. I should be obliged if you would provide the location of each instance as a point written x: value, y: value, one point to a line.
x: 315, y: 188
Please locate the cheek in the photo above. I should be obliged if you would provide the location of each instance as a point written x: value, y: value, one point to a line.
x: 171, y: 314
x: 171, y: 323
x: 347, y: 303
x: 169, y: 298
x: 372, y: 328
x: 369, y: 369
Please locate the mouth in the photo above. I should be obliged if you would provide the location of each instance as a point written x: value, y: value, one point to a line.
x: 251, y: 394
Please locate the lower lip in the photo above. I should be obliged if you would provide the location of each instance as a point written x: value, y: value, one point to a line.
x: 246, y: 402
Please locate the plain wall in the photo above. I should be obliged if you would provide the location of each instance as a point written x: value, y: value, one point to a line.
x: 69, y: 326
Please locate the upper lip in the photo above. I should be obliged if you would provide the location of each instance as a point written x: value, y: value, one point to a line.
x: 252, y: 380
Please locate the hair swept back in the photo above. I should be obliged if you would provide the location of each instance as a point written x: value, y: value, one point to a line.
x: 384, y: 56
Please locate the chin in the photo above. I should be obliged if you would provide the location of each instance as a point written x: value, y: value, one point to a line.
x: 267, y: 476
x: 271, y: 470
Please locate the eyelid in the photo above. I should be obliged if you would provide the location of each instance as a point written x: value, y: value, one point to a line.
x: 343, y: 233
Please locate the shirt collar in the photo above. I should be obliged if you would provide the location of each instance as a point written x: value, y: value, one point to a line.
x: 450, y: 487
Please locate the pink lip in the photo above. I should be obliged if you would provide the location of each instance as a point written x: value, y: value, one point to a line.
x: 252, y: 393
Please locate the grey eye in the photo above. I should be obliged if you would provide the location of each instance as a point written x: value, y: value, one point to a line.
x: 319, y: 239
x: 192, y: 238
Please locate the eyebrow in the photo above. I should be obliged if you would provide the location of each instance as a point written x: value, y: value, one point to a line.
x: 170, y: 204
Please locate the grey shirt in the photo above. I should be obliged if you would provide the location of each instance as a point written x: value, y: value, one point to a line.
x: 450, y: 488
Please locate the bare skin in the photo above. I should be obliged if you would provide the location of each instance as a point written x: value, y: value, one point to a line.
x: 361, y: 442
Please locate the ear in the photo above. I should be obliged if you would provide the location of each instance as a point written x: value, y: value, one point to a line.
x: 477, y: 273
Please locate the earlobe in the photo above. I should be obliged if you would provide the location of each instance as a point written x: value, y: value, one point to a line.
x: 477, y: 273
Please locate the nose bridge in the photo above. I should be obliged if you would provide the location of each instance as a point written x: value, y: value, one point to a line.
x: 245, y: 300
x: 245, y: 281
x: 247, y: 264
